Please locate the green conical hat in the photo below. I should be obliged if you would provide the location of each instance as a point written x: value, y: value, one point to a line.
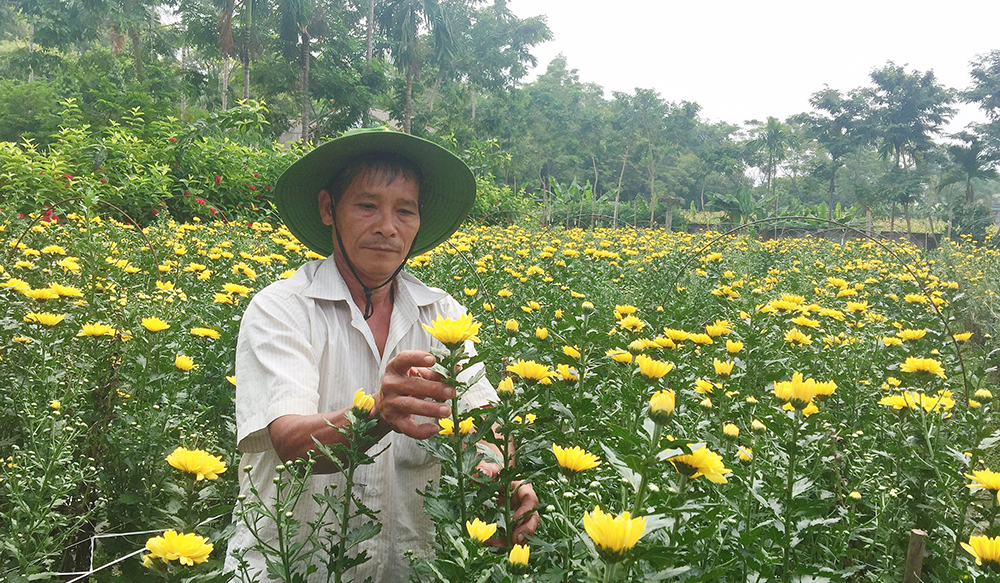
x: 448, y: 190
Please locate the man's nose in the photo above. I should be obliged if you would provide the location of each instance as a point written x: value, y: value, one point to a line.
x: 385, y: 223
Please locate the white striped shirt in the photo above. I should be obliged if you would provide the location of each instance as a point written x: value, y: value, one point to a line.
x: 304, y: 348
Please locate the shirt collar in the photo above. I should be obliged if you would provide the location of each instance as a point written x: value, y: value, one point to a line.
x: 329, y: 284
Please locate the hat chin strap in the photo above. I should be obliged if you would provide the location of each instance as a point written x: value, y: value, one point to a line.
x: 369, y: 308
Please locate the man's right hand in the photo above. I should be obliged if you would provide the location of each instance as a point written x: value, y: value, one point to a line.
x: 406, y: 387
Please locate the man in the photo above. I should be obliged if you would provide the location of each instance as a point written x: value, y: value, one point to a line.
x: 368, y: 200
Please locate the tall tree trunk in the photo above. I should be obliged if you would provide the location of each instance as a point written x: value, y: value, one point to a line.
x: 224, y: 82
x: 408, y: 99
x: 618, y: 192
x: 829, y: 210
x: 133, y: 34
x: 970, y: 195
x: 474, y: 99
x: 892, y: 219
x: 652, y: 198
x: 868, y: 221
x: 434, y: 91
x: 593, y: 192
x: 906, y: 214
x: 31, y: 49
x: 304, y: 85
x: 245, y: 52
x: 370, y: 32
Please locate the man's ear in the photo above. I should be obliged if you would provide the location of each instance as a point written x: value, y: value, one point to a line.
x: 325, y: 210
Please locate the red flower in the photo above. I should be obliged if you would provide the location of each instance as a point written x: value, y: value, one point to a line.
x: 154, y: 211
x: 200, y: 200
x: 103, y: 180
x: 252, y: 187
x: 256, y: 175
x: 67, y: 177
x: 211, y: 210
x: 172, y: 139
x: 186, y: 193
x: 218, y: 179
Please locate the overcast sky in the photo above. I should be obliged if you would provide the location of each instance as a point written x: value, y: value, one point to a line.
x: 746, y: 59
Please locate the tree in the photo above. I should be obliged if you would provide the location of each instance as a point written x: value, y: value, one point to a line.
x: 768, y: 148
x: 969, y: 163
x: 835, y: 124
x: 403, y: 21
x: 985, y: 91
x: 907, y: 110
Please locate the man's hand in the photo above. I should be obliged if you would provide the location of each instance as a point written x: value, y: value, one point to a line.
x: 406, y: 386
x: 524, y: 502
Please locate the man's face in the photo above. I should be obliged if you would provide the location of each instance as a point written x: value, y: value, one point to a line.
x: 377, y: 221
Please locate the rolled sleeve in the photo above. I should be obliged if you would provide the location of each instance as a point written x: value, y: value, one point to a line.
x: 276, y: 372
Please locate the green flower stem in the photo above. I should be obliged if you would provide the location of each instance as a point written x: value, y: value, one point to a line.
x: 567, y: 535
x: 345, y: 518
x: 451, y: 362
x: 647, y: 464
x: 793, y: 449
x: 681, y: 489
x: 505, y: 451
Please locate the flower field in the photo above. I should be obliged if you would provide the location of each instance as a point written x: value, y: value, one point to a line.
x: 687, y: 407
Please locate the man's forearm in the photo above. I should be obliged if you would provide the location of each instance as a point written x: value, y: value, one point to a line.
x: 292, y: 436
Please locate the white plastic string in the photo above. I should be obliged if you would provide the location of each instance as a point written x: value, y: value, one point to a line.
x: 93, y: 543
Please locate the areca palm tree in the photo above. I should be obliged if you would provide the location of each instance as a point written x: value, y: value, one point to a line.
x: 403, y: 21
x: 969, y: 163
x: 771, y: 144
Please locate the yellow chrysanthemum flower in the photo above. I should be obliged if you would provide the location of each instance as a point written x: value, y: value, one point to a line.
x: 805, y: 322
x: 892, y: 341
x: 519, y: 555
x: 235, y: 288
x: 566, y: 373
x: 987, y: 479
x: 44, y: 318
x: 701, y: 462
x: 613, y: 535
x: 911, y: 334
x: 631, y: 323
x: 983, y: 548
x: 927, y: 365
x: 799, y: 392
x: 723, y: 368
x: 796, y: 336
x: 184, y: 363
x: 512, y: 326
x: 571, y: 351
x: 530, y: 371
x: 730, y: 430
x: 186, y: 548
x: 206, y: 333
x: 942, y: 401
x: 447, y: 426
x: 624, y: 310
x: 541, y: 333
x: 575, y: 459
x: 962, y: 337
x: 619, y: 355
x: 704, y: 386
x: 480, y: 530
x: 653, y: 369
x: 505, y: 386
x: 734, y: 346
x: 363, y: 402
x: 154, y: 324
x: 467, y: 425
x: 452, y: 332
x: 661, y: 405
x: 95, y: 329
x: 200, y: 463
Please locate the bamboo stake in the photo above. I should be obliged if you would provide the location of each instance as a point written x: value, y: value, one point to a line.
x: 915, y: 556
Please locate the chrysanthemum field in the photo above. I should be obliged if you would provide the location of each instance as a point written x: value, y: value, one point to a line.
x: 687, y: 407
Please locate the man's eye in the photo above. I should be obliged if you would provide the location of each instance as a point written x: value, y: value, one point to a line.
x: 367, y: 206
